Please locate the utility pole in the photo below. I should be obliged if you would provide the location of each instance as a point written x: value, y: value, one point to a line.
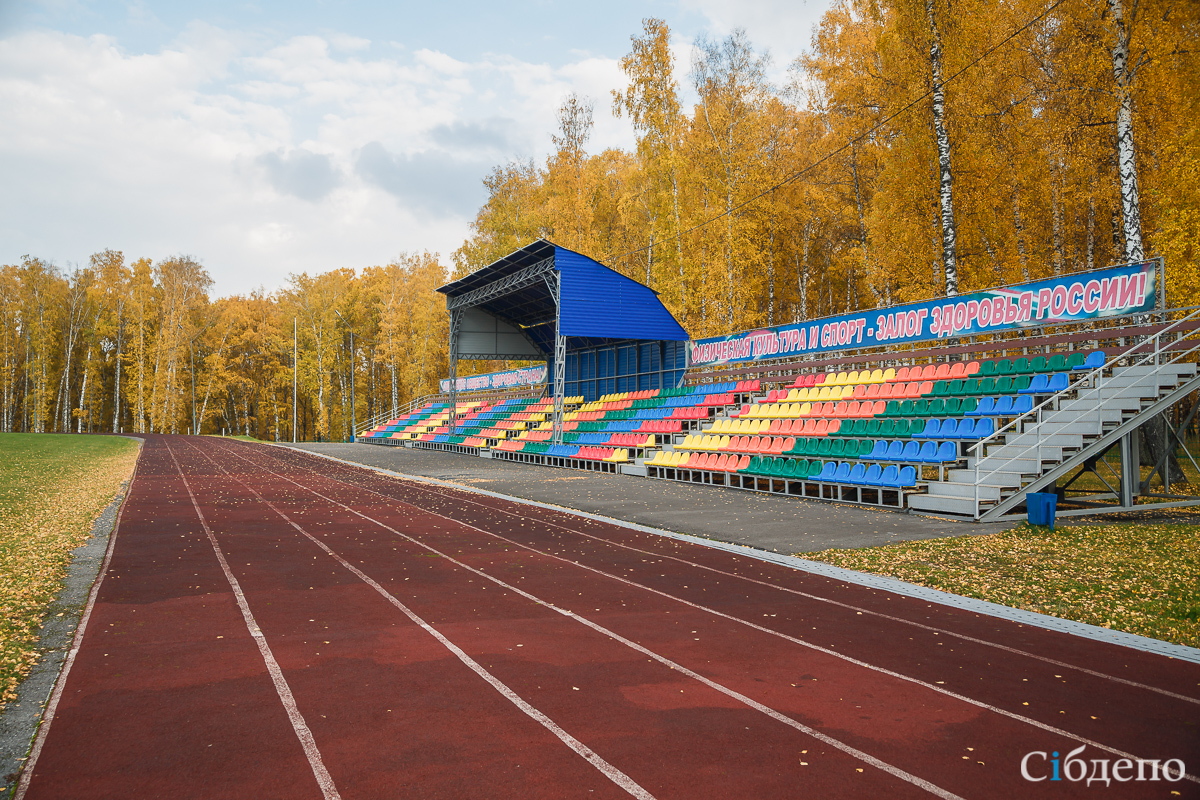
x: 295, y: 372
x: 353, y: 406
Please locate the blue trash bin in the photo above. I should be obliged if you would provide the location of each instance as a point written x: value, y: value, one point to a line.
x: 1041, y: 507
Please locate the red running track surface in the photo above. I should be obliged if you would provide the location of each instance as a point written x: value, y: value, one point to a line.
x: 274, y: 624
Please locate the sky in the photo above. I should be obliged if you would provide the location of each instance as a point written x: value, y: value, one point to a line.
x: 272, y: 138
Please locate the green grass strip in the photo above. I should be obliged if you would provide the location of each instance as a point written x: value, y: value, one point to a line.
x: 1141, y: 578
x: 52, y: 488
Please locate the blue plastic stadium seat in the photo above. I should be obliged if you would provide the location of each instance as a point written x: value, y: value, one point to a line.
x: 858, y: 474
x: 895, y: 451
x: 912, y: 451
x: 1039, y: 385
x: 843, y: 472
x: 874, y: 473
x: 984, y: 428
x: 932, y: 430
x: 891, y: 474
x: 1095, y: 360
x: 966, y: 429
x: 879, y: 450
x: 908, y: 477
x: 1022, y: 405
x: 949, y: 429
x: 986, y: 407
x: 948, y: 451
x: 928, y: 454
x: 1058, y: 383
x: 828, y: 471
x: 1004, y: 406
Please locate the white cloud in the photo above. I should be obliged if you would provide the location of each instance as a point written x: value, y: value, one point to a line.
x: 263, y: 158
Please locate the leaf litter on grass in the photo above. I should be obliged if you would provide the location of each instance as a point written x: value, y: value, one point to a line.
x: 1141, y: 577
x: 52, y: 488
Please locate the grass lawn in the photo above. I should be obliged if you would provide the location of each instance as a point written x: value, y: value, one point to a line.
x: 52, y: 487
x: 1141, y: 577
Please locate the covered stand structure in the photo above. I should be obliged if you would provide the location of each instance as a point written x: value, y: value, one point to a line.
x: 543, y: 301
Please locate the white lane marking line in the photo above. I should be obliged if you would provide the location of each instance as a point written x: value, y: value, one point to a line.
x: 60, y: 684
x: 611, y: 772
x: 324, y: 780
x: 618, y: 523
x: 754, y: 704
x: 882, y: 670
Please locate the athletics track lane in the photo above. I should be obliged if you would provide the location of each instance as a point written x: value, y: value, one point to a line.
x: 393, y: 712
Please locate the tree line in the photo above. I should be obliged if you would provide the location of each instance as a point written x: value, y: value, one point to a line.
x: 918, y: 148
x: 142, y: 348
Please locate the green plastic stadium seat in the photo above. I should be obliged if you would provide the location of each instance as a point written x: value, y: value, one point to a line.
x: 873, y: 426
x: 1004, y: 366
x: 920, y: 408
x: 1021, y: 382
x: 940, y: 389
x: 936, y: 408
x: 1057, y: 363
x: 1021, y: 366
x: 1038, y: 365
x: 953, y: 407
x: 969, y: 404
x: 987, y: 369
x: 1074, y: 360
x: 892, y: 409
x: 823, y: 447
x: 987, y: 386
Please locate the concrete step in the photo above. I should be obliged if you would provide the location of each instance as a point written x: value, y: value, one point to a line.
x: 1007, y: 480
x: 1057, y: 440
x: 954, y: 489
x: 1024, y: 466
x: 945, y: 505
x: 1049, y: 453
x: 1182, y: 368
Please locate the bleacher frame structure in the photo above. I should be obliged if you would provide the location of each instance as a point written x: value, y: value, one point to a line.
x: 965, y: 427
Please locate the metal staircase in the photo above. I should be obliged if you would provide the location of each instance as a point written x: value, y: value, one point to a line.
x: 1101, y: 410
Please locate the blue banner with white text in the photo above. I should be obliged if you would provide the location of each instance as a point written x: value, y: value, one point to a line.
x: 1109, y: 292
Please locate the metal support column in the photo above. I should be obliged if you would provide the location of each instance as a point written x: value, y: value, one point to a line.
x: 1131, y: 471
x: 455, y: 324
x: 554, y: 283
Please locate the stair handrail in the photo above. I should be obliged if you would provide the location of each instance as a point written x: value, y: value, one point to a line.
x: 396, y: 413
x: 1095, y: 377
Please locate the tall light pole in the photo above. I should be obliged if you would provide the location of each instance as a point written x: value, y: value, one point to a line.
x: 353, y: 406
x: 295, y: 372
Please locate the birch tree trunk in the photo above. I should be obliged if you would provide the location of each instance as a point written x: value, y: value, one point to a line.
x: 946, y: 183
x: 1123, y: 75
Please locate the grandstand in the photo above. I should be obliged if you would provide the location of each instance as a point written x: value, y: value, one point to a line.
x: 934, y: 430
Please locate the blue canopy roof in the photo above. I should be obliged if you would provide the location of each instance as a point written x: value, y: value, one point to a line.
x: 598, y: 304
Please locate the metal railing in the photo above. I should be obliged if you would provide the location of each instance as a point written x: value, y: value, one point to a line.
x: 1095, y: 379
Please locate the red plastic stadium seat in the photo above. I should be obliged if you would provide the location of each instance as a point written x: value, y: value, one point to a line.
x: 873, y: 391
x: 973, y: 368
x: 901, y: 374
x: 810, y: 427
x: 957, y: 370
x: 822, y: 427
x: 777, y: 446
x: 776, y: 425
x: 835, y: 425
x: 925, y: 388
x: 942, y: 372
x: 786, y: 427
x: 819, y: 378
x: 879, y: 407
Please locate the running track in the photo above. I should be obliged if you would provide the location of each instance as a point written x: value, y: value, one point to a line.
x: 276, y: 625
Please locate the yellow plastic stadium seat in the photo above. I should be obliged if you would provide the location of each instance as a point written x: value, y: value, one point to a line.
x: 712, y: 442
x: 649, y: 441
x: 823, y: 394
x: 687, y: 443
x: 793, y: 395
x: 723, y: 443
x: 653, y: 460
x: 876, y: 376
x: 805, y: 410
x: 753, y: 413
x: 852, y: 377
x: 676, y: 458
